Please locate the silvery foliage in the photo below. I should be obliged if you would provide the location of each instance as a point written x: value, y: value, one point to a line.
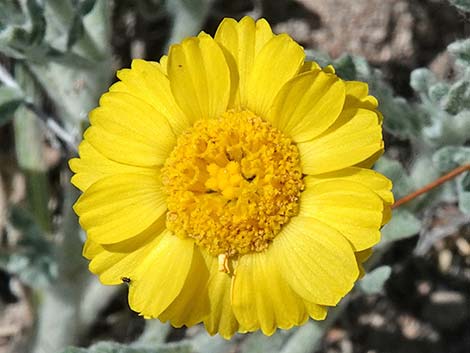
x: 111, y: 347
x: 463, y: 5
x: 436, y: 127
x: 57, y: 51
x: 64, y: 44
x: 52, y: 38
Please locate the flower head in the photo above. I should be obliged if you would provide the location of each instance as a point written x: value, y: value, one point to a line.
x: 229, y: 183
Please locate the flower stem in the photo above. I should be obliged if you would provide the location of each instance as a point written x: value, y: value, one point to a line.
x: 29, y: 150
x: 443, y: 179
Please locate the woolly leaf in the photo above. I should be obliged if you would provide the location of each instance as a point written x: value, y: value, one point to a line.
x: 38, y: 21
x: 463, y: 187
x: 345, y: 67
x: 259, y: 343
x: 402, y: 183
x: 85, y: 6
x: 463, y: 5
x: 11, y: 14
x: 458, y: 97
x: 373, y: 282
x: 461, y: 50
x: 450, y: 157
x: 402, y: 225
x: 74, y: 350
x: 421, y: 80
x: 111, y: 347
x: 10, y: 99
x: 77, y: 29
x: 438, y: 91
x: 400, y: 118
x: 32, y: 258
x: 205, y: 343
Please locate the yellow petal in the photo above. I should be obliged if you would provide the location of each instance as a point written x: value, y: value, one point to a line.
x: 220, y: 318
x: 161, y: 275
x: 310, y: 66
x: 91, y: 249
x: 164, y: 64
x: 277, y: 62
x: 357, y: 96
x: 354, y: 137
x: 380, y: 184
x: 329, y: 69
x: 316, y: 260
x: 261, y: 298
x: 364, y: 255
x: 369, y: 162
x: 315, y: 311
x: 93, y: 166
x: 361, y: 257
x: 127, y: 130
x: 183, y: 311
x: 199, y: 77
x: 308, y: 105
x: 242, y: 42
x: 147, y: 81
x: 351, y: 208
x: 120, y: 206
x: 114, y: 263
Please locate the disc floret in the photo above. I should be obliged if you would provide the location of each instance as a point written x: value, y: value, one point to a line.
x: 232, y: 183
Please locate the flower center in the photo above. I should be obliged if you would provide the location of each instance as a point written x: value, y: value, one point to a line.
x: 232, y: 183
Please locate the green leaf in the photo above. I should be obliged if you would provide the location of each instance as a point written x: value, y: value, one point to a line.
x: 402, y: 225
x: 32, y: 259
x: 75, y: 32
x: 205, y: 343
x: 463, y: 187
x: 449, y: 129
x: 85, y: 6
x: 450, y: 157
x: 402, y: 183
x: 421, y: 80
x: 461, y: 50
x: 38, y: 21
x: 77, y: 28
x: 458, y: 98
x: 373, y: 282
x: 74, y: 350
x: 11, y: 14
x: 463, y: 5
x: 464, y: 201
x: 10, y: 99
x: 112, y: 347
x: 259, y: 343
x: 400, y: 117
x: 307, y: 338
x: 345, y: 67
x: 438, y: 91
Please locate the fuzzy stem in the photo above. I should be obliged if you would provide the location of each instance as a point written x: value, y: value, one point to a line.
x: 59, y: 309
x: 95, y: 298
x: 29, y: 138
x: 189, y: 17
x: 154, y: 333
x: 62, y: 318
x: 443, y: 179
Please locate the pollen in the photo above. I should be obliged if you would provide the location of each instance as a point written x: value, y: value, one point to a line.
x: 231, y: 184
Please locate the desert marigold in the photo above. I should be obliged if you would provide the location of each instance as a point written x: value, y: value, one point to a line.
x: 230, y: 183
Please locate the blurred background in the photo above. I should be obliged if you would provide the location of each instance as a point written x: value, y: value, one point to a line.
x: 58, y: 56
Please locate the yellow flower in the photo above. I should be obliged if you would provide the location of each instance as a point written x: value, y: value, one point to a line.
x: 229, y: 183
